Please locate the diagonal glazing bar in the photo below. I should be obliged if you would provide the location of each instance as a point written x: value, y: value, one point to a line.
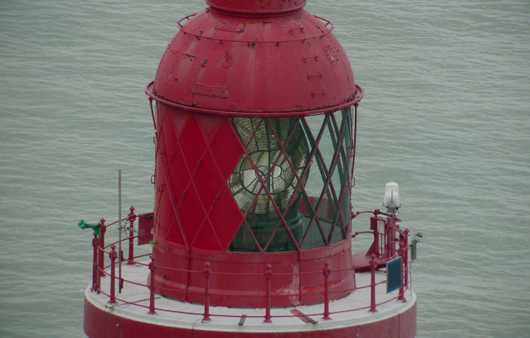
x: 344, y: 174
x: 329, y: 188
x: 300, y: 179
x: 339, y: 151
x: 322, y: 170
x: 254, y: 183
x: 301, y: 183
x: 273, y: 204
x: 328, y: 174
x: 285, y: 154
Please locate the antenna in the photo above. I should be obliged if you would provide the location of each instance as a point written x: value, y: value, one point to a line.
x: 120, y: 229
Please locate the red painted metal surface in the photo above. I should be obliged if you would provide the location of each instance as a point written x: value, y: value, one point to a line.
x: 265, y: 65
x: 103, y: 324
x: 145, y: 228
x: 195, y: 157
x: 112, y: 279
x: 237, y: 276
x: 95, y: 267
x: 152, y: 288
x: 255, y: 59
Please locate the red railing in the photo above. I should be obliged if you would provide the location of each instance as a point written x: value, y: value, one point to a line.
x: 381, y: 248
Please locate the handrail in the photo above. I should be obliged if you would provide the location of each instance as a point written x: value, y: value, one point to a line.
x: 135, y: 303
x: 116, y: 222
x: 197, y: 313
x: 385, y: 241
x: 100, y: 269
x: 118, y: 241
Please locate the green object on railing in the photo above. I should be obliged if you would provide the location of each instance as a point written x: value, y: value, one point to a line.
x: 84, y: 225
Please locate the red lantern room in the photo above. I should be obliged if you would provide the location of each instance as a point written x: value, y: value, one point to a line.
x: 254, y: 106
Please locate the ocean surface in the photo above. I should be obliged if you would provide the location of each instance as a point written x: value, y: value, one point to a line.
x: 446, y: 114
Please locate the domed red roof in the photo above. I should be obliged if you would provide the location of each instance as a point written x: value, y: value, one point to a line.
x: 288, y: 64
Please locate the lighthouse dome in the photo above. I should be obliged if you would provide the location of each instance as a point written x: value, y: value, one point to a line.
x: 251, y: 57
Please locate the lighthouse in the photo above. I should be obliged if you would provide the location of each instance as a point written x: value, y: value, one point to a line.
x: 254, y: 109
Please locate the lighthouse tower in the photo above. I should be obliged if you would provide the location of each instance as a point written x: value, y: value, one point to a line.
x: 254, y: 107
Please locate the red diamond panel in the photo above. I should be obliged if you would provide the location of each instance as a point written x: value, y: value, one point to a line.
x: 179, y: 121
x: 207, y: 181
x: 207, y: 239
x: 191, y: 214
x: 227, y: 148
x: 226, y: 218
x: 202, y: 158
x: 178, y: 176
x: 209, y: 125
x: 192, y: 144
x: 173, y: 231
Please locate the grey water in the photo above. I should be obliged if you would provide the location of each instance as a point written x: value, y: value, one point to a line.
x: 446, y: 114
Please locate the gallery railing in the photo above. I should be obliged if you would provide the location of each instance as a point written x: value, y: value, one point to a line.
x: 390, y: 243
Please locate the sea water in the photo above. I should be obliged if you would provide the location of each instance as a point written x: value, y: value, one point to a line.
x: 446, y: 114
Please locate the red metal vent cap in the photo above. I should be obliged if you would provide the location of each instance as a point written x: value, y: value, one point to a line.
x: 257, y: 6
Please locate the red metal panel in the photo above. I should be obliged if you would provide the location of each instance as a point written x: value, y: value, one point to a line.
x: 207, y: 238
x: 145, y: 227
x: 166, y: 225
x: 293, y: 273
x: 171, y: 177
x: 174, y: 168
x: 192, y: 144
x: 226, y: 148
x: 227, y: 218
x: 223, y: 150
x: 196, y: 155
x: 208, y: 181
x: 191, y: 213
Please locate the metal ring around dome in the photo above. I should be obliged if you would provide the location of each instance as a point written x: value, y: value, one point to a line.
x: 355, y: 98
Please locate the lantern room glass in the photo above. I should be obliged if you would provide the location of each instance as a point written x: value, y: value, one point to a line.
x: 293, y: 182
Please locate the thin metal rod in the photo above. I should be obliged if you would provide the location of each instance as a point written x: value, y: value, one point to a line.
x: 120, y: 227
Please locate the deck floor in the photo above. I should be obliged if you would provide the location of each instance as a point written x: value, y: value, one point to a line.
x: 133, y: 301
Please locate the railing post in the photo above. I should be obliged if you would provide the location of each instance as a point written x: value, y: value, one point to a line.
x: 131, y: 218
x: 386, y: 237
x: 268, y: 301
x: 112, y: 256
x: 372, y: 284
x: 402, y: 253
x: 101, y: 251
x: 354, y: 278
x: 394, y: 226
x: 95, y: 263
x: 406, y: 258
x: 375, y: 230
x: 326, y: 273
x: 152, y: 287
x: 120, y: 275
x: 207, y: 272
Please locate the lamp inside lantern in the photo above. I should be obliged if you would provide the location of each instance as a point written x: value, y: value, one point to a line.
x: 267, y: 181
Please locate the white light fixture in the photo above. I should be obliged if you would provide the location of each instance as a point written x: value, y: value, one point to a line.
x: 391, y: 200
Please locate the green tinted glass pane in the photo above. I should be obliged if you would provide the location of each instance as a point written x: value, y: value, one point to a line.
x: 276, y: 151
